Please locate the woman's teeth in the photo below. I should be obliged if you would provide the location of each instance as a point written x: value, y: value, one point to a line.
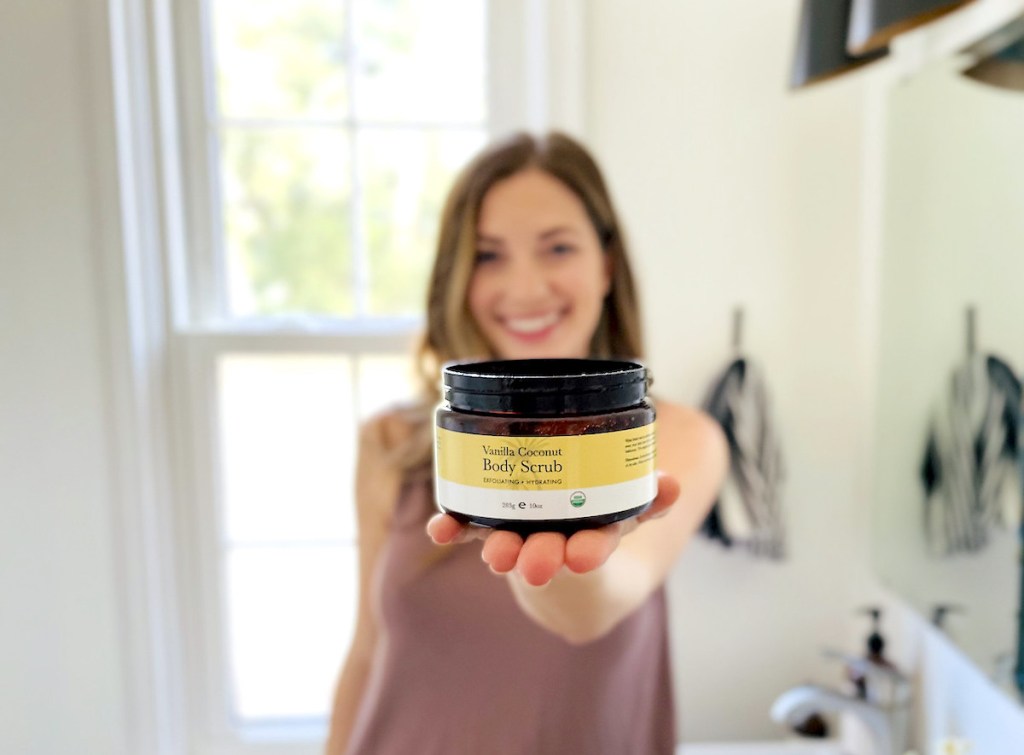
x: 530, y: 325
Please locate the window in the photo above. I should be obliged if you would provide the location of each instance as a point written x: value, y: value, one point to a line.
x: 283, y: 163
x: 337, y: 126
x: 329, y: 134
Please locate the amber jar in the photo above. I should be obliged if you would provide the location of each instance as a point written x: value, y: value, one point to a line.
x: 545, y: 444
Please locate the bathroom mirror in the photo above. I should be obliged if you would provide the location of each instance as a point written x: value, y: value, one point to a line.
x: 951, y: 276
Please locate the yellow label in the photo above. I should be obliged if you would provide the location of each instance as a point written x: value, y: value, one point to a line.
x: 545, y: 462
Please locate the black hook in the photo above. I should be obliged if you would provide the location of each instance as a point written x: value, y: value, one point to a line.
x: 972, y: 330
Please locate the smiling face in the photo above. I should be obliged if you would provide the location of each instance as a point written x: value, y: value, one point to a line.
x: 541, y: 275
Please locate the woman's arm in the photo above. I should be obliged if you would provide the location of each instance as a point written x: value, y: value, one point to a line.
x: 378, y: 478
x: 582, y: 586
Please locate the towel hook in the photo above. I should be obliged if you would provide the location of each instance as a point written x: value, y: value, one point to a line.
x: 972, y: 330
x: 737, y: 329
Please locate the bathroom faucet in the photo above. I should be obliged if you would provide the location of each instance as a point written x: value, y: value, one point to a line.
x: 886, y: 720
x: 794, y: 705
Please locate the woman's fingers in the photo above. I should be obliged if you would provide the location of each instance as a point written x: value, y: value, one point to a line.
x: 668, y: 493
x: 446, y: 530
x: 588, y: 549
x: 542, y: 555
x: 501, y: 550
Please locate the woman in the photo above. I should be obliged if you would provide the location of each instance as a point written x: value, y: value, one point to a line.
x: 561, y: 646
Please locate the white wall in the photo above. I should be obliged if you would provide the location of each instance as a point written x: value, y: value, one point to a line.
x: 737, y: 191
x: 61, y: 664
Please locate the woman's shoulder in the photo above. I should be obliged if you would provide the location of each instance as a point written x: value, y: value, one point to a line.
x: 688, y: 424
x: 393, y: 426
x: 400, y: 437
x: 394, y: 449
x: 683, y: 416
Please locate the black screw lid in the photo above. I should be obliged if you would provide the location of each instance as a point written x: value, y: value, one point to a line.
x: 543, y: 387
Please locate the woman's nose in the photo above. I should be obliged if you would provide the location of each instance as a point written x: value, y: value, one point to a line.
x: 526, y: 281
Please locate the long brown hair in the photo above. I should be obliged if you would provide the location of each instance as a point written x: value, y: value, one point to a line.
x: 451, y: 332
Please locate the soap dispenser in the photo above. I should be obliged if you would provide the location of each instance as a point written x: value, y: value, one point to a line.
x: 860, y: 674
x: 940, y: 617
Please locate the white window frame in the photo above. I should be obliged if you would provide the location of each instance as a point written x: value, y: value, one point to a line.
x: 177, y: 675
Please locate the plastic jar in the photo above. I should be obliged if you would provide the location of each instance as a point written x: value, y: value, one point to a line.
x: 545, y: 444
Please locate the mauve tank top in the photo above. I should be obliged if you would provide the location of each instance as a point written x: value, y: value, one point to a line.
x: 460, y: 669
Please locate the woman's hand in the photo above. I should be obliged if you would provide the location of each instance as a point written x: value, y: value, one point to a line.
x: 543, y: 554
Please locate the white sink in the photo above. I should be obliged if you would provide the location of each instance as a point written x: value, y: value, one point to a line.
x: 782, y: 747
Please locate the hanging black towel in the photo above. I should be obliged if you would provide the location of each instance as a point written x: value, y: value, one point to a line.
x: 973, y: 466
x: 747, y: 513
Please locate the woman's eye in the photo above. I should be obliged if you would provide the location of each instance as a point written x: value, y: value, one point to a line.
x: 560, y: 249
x: 483, y: 256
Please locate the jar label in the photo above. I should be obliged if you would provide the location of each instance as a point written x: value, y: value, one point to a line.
x: 545, y: 476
